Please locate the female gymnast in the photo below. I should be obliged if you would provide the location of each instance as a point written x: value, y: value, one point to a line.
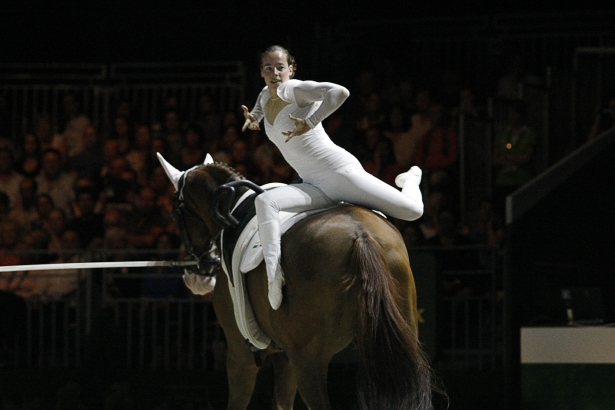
x: 292, y: 112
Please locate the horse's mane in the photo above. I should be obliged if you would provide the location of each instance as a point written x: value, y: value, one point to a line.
x: 220, y: 170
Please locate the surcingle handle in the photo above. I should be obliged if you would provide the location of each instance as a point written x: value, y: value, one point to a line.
x: 224, y: 197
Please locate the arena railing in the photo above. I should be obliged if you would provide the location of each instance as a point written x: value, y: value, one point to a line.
x: 467, y: 309
x: 28, y: 90
x: 111, y: 315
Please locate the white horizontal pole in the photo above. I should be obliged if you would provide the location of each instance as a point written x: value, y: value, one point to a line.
x: 94, y: 265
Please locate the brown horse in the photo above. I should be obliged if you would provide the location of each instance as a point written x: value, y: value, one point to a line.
x: 348, y: 278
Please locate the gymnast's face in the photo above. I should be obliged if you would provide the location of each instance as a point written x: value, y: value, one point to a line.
x: 275, y: 69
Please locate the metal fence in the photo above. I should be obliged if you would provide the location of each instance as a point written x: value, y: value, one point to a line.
x: 28, y: 90
x: 111, y: 320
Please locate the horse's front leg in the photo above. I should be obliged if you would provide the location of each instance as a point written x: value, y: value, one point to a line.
x: 285, y: 382
x: 241, y: 373
x: 240, y: 365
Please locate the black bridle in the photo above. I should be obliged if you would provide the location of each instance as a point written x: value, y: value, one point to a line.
x: 209, y: 261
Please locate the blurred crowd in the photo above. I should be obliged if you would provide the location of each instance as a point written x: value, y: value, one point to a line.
x: 80, y: 186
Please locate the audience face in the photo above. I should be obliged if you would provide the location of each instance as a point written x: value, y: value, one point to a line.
x: 27, y: 191
x: 240, y: 151
x: 229, y: 137
x: 112, y: 219
x: 85, y: 202
x: 118, y: 166
x: 57, y: 220
x: 111, y: 150
x: 193, y: 139
x: 51, y: 165
x: 44, y: 206
x: 9, y: 234
x: 159, y: 181
x: 171, y: 122
x: 142, y: 137
x: 146, y: 201
x: 70, y: 240
x: 121, y: 127
x: 90, y: 138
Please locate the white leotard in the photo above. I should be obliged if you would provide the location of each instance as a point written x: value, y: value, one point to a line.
x: 337, y: 174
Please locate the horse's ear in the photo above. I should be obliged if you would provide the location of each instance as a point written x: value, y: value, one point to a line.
x: 208, y: 160
x: 173, y: 173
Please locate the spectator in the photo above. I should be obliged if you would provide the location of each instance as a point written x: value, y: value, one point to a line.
x: 90, y: 161
x: 54, y: 227
x: 59, y: 283
x: 340, y: 129
x: 438, y: 150
x: 261, y: 154
x: 397, y: 131
x: 224, y: 145
x: 74, y: 125
x: 29, y: 158
x: 43, y: 131
x: 53, y: 180
x: 44, y: 205
x: 241, y: 160
x: 367, y: 145
x: 434, y: 202
x: 420, y: 124
x: 138, y: 157
x: 513, y: 150
x: 172, y: 135
x: 88, y: 225
x: 383, y: 164
x: 147, y: 219
x: 122, y: 133
x: 192, y: 152
x: 119, y: 182
x: 372, y: 115
x: 9, y: 179
x: 24, y: 210
x: 208, y: 118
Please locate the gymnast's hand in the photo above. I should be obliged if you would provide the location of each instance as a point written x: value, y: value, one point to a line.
x: 251, y: 121
x: 301, y: 128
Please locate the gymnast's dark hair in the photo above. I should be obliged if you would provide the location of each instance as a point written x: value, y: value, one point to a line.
x: 289, y: 58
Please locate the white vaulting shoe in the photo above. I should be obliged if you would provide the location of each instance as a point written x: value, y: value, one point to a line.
x: 275, y: 293
x: 414, y: 174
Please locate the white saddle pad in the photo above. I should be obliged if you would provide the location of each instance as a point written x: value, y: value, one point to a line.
x: 247, y: 255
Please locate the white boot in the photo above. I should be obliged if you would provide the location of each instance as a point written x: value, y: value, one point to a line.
x: 269, y: 232
x: 414, y: 175
x: 409, y: 184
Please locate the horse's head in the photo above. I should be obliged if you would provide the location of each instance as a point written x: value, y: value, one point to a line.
x: 194, y: 206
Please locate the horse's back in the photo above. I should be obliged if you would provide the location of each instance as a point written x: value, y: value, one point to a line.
x: 316, y: 259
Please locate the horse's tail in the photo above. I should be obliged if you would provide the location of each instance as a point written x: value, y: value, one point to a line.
x: 395, y: 372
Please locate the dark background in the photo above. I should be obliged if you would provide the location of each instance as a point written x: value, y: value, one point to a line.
x: 114, y: 32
